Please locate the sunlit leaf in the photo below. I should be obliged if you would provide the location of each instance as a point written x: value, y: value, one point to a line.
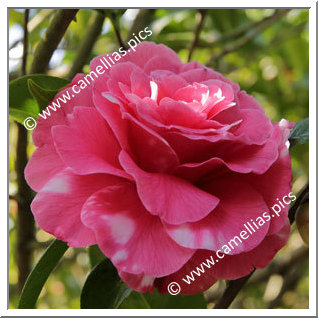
x: 95, y: 255
x: 40, y: 273
x: 21, y: 101
x: 41, y: 95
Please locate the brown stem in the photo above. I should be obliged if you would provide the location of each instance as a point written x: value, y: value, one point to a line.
x: 233, y: 34
x: 25, y: 41
x: 116, y: 25
x: 143, y: 19
x: 94, y: 29
x: 25, y: 221
x: 51, y: 39
x: 279, y: 266
x: 202, y: 14
x: 34, y: 23
x: 231, y: 291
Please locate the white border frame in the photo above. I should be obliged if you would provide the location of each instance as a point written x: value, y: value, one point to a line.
x: 312, y: 166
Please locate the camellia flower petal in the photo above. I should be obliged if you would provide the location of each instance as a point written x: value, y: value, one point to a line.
x: 161, y: 163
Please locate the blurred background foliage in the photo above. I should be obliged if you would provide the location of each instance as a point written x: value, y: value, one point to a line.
x: 264, y: 50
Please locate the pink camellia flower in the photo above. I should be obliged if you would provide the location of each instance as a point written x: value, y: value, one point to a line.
x: 161, y: 163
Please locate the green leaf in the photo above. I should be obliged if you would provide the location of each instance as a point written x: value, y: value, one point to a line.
x: 41, y: 95
x: 136, y: 301
x: 15, y: 17
x: 19, y: 115
x: 21, y: 102
x: 40, y: 273
x: 103, y: 288
x: 95, y: 255
x: 163, y: 301
x: 300, y: 133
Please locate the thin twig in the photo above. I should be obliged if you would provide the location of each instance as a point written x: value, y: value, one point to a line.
x: 143, y: 19
x: 233, y: 34
x: 34, y: 23
x: 231, y: 291
x: 201, y: 15
x: 278, y: 266
x: 94, y: 29
x: 250, y: 35
x: 25, y: 41
x: 51, y: 39
x: 25, y: 221
x: 116, y: 25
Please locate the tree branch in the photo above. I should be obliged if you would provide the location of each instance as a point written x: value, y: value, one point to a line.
x: 250, y: 35
x: 116, y: 25
x: 233, y: 34
x: 143, y: 18
x: 51, y: 39
x: 25, y: 41
x: 201, y: 14
x: 231, y: 291
x: 278, y: 266
x: 25, y: 221
x: 94, y: 29
x: 34, y: 23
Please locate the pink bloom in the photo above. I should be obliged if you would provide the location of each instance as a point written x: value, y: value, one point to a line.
x: 161, y: 163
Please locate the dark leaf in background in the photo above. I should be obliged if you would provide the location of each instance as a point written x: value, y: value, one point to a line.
x: 103, y: 288
x: 160, y: 301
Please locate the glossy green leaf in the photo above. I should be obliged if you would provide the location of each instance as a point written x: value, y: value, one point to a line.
x: 95, y: 255
x: 40, y: 273
x: 20, y: 115
x: 41, y: 95
x: 103, y: 288
x: 300, y: 133
x: 159, y: 301
x: 21, y: 102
